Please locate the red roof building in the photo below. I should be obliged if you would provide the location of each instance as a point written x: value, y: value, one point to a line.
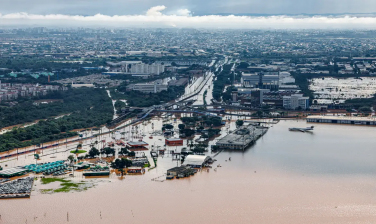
x: 174, y: 141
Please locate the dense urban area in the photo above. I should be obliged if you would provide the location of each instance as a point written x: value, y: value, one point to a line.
x: 87, y: 102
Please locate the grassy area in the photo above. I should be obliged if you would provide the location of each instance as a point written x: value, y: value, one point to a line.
x: 78, y: 151
x: 65, y: 186
x: 50, y: 180
x: 46, y: 191
x: 151, y: 168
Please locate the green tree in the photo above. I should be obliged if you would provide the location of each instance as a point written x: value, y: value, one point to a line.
x: 124, y: 151
x: 71, y: 158
x: 365, y: 109
x: 239, y: 123
x: 94, y: 152
x: 181, y: 126
x: 168, y: 126
x: 121, y: 163
x: 108, y: 151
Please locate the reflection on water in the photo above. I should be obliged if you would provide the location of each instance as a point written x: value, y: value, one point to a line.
x: 286, y: 177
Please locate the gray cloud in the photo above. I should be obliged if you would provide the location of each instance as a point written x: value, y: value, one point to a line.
x: 201, y: 7
x: 156, y: 17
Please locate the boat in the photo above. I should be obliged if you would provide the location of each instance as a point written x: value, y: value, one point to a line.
x: 302, y: 129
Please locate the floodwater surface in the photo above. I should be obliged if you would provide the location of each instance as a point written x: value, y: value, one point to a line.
x: 327, y: 176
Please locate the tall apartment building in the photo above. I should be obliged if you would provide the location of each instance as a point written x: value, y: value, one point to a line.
x: 294, y: 101
x: 142, y: 68
x: 259, y: 80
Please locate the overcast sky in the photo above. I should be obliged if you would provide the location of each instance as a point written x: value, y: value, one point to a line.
x: 187, y: 13
x: 121, y: 7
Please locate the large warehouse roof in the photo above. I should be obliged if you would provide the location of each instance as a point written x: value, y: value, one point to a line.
x: 12, y: 171
x: 196, y: 160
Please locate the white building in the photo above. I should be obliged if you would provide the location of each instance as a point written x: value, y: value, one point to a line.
x: 151, y: 87
x: 250, y: 80
x: 295, y: 101
x: 285, y: 77
x: 196, y: 161
x: 142, y: 68
x: 137, y: 67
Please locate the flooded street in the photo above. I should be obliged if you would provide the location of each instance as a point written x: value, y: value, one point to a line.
x: 209, y: 94
x: 197, y: 86
x: 287, y: 177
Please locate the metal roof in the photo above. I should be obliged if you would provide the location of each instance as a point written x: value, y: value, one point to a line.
x: 12, y: 171
x: 174, y: 139
x: 196, y: 160
x: 352, y: 118
x: 138, y: 143
x: 178, y: 169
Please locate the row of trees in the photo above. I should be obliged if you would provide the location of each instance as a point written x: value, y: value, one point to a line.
x: 93, y: 152
x: 73, y: 100
x: 95, y: 110
x: 203, y: 120
x: 188, y: 132
x: 224, y: 78
x: 37, y: 63
x: 226, y: 96
x: 118, y: 105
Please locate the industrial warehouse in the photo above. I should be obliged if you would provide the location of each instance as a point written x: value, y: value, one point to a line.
x: 241, y: 138
x: 342, y: 120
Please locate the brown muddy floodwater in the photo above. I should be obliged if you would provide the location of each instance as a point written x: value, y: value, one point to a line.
x: 328, y: 176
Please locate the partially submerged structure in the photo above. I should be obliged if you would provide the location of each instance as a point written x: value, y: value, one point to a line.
x: 180, y: 172
x: 241, y: 138
x: 196, y: 161
x: 174, y: 141
x: 140, y: 145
